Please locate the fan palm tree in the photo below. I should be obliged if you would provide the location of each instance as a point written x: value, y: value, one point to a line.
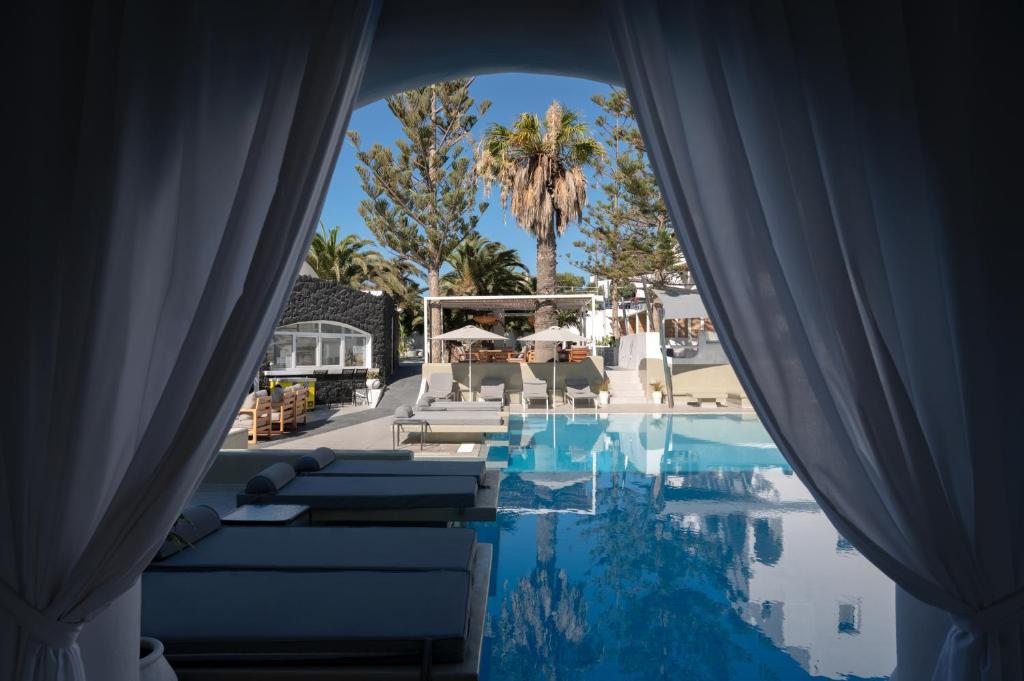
x: 481, y: 267
x: 539, y: 167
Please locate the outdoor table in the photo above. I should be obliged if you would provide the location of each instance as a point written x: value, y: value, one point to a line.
x: 396, y: 430
x: 268, y: 514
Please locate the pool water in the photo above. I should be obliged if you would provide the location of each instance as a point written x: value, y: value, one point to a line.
x: 633, y: 546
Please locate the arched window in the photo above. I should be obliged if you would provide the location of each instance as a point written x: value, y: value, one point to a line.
x: 319, y: 345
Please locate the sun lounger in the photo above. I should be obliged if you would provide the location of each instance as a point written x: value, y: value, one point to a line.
x: 440, y: 386
x: 211, y: 546
x: 254, y: 624
x: 450, y: 405
x: 323, y: 463
x: 534, y: 390
x: 579, y: 391
x: 376, y: 498
x: 493, y: 390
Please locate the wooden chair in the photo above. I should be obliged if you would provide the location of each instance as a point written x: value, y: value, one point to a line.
x: 531, y: 356
x: 301, y: 393
x: 515, y: 357
x: 578, y: 354
x: 258, y: 416
x: 283, y: 413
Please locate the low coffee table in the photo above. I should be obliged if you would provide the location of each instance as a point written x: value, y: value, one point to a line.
x: 268, y: 514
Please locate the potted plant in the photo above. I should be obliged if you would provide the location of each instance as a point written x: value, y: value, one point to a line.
x: 656, y: 389
x: 373, y: 378
x: 602, y: 391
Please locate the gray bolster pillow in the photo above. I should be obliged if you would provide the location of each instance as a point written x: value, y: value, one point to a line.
x: 271, y: 480
x: 195, y: 523
x: 403, y: 412
x: 315, y: 460
x: 425, y: 400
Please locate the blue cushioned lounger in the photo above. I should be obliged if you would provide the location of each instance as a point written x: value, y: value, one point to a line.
x: 370, y: 493
x: 473, y: 469
x: 409, y: 549
x: 271, y: 616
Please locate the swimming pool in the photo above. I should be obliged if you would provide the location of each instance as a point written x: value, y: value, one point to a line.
x: 633, y: 546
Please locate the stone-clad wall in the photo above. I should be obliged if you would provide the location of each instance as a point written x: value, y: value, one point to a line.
x: 320, y: 300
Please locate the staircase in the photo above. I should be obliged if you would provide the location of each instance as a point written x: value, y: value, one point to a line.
x: 625, y: 386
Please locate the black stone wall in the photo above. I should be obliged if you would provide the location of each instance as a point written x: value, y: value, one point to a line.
x: 315, y: 300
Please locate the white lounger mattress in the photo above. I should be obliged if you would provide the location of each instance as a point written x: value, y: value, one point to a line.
x: 371, y: 492
x: 472, y: 469
x: 408, y: 549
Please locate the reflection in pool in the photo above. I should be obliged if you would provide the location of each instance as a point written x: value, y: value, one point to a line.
x: 633, y: 546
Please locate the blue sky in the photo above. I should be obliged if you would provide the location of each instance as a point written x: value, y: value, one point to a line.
x: 510, y: 95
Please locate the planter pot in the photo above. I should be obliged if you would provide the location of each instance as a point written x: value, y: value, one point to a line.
x: 656, y: 397
x: 373, y: 383
x: 153, y: 666
x: 374, y: 397
x: 603, y: 397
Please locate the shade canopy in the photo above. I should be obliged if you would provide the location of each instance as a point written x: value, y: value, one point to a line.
x: 680, y: 304
x: 555, y: 334
x: 469, y: 333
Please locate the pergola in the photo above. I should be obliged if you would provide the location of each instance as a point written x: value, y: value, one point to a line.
x: 511, y: 305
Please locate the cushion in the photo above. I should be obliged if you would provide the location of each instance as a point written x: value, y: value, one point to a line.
x: 403, y: 412
x: 277, y: 396
x: 271, y: 480
x: 425, y: 400
x: 260, y: 393
x: 195, y: 523
x: 315, y: 460
x: 249, y: 402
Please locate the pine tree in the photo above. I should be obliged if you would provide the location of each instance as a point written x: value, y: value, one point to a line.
x: 421, y: 195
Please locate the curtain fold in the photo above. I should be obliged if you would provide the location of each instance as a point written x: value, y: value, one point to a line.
x: 839, y: 175
x: 168, y: 166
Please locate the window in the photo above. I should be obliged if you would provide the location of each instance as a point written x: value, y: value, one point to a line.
x: 319, y: 345
x: 849, y: 619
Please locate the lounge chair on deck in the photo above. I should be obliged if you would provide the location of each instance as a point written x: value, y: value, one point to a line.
x: 493, y: 390
x: 376, y: 498
x: 427, y: 403
x: 534, y: 390
x: 576, y: 390
x: 441, y: 386
x: 339, y: 603
x: 207, y: 545
x: 323, y: 462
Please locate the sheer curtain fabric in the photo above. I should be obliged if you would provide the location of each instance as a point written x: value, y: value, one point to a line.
x: 168, y: 163
x: 840, y: 177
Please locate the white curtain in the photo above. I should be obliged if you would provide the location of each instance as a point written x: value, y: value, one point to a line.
x: 170, y: 161
x: 841, y: 178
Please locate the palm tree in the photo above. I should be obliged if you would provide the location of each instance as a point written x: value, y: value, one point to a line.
x: 539, y: 168
x: 481, y: 267
x: 352, y: 262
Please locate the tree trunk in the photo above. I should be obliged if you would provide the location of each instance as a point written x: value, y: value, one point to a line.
x: 615, y: 309
x: 546, y: 314
x: 434, y: 289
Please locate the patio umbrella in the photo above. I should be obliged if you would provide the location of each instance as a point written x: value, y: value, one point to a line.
x: 469, y: 333
x: 555, y: 334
